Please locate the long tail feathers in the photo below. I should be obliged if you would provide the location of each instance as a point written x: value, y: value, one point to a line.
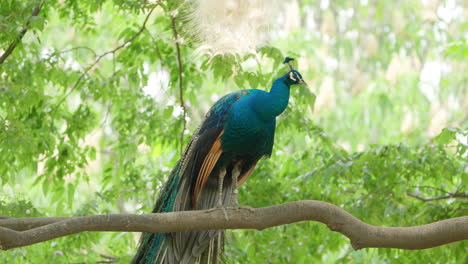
x: 185, y: 247
x: 152, y: 246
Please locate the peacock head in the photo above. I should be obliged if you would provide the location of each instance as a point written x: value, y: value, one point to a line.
x: 293, y: 76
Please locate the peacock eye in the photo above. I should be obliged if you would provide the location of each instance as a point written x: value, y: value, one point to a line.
x: 292, y: 77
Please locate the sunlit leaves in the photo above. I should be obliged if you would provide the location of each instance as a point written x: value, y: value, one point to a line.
x: 447, y: 135
x: 458, y: 49
x: 103, y: 141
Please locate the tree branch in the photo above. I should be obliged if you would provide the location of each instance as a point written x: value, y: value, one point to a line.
x: 21, y: 34
x: 362, y: 235
x: 430, y: 187
x: 98, y: 58
x: 108, y: 259
x: 450, y: 195
x: 181, y: 90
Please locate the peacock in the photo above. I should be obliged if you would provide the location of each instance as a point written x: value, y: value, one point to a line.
x: 236, y: 132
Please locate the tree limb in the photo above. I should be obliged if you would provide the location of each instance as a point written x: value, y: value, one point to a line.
x: 21, y: 34
x: 181, y: 90
x: 98, y: 58
x: 362, y: 235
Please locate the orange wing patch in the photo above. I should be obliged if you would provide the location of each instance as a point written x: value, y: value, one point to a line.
x: 208, y: 164
x: 245, y: 176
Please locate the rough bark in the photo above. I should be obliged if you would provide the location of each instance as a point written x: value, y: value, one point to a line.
x: 19, y: 232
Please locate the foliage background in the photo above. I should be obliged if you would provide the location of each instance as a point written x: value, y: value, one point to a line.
x: 91, y: 118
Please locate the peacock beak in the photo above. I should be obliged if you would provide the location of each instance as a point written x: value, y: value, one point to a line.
x: 302, y: 82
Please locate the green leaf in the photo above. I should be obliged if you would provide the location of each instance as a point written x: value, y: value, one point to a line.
x: 446, y: 136
x: 363, y: 148
x: 37, y: 22
x: 458, y: 49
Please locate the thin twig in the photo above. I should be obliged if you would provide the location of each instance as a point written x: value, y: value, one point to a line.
x: 77, y: 48
x: 107, y: 256
x: 452, y: 195
x: 181, y: 88
x: 21, y: 34
x: 156, y: 46
x: 108, y: 259
x: 431, y: 187
x: 113, y: 51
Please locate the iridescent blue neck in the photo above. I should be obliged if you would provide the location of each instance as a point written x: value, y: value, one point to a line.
x: 272, y: 104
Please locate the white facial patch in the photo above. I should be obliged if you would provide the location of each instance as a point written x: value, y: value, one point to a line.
x: 291, y: 76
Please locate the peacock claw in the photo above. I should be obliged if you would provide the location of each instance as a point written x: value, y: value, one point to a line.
x: 219, y: 208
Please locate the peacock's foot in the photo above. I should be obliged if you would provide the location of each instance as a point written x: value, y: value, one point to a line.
x: 235, y: 203
x: 219, y: 207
